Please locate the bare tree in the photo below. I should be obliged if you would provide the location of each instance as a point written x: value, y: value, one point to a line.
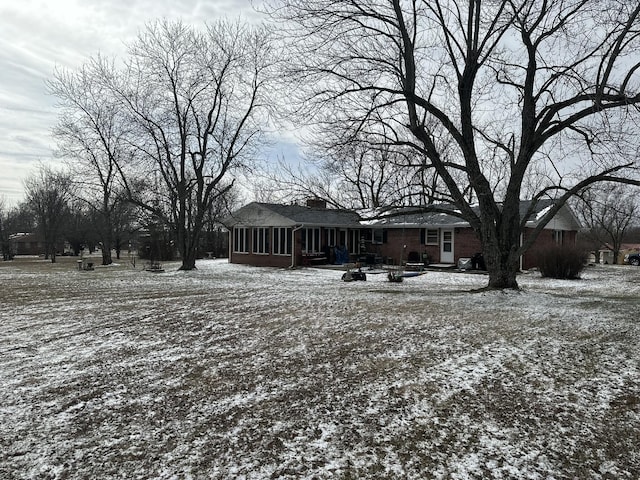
x: 48, y: 193
x: 196, y: 104
x: 5, y: 246
x: 608, y: 211
x: 91, y: 137
x: 501, y: 98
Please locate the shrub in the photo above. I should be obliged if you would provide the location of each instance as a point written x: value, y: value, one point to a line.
x: 564, y: 262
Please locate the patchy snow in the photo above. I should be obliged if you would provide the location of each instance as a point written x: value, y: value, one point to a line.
x: 542, y: 213
x: 238, y: 372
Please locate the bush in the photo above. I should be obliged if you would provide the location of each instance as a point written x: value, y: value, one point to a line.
x: 564, y: 262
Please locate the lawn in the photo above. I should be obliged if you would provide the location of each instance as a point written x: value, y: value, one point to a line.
x: 234, y: 372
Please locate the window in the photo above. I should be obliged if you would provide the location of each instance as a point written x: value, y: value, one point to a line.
x: 447, y: 241
x: 331, y: 237
x: 558, y: 237
x: 354, y: 241
x: 311, y: 240
x: 240, y: 240
x: 281, y: 241
x: 378, y: 235
x: 261, y: 240
x: 431, y: 237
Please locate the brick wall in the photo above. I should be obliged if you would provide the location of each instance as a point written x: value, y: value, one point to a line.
x: 393, y: 249
x: 465, y: 244
x: 280, y: 261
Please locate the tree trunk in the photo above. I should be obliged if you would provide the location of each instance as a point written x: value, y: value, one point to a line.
x: 189, y: 249
x: 500, y: 244
x: 502, y: 268
x: 106, y: 254
x: 106, y: 250
x: 189, y: 261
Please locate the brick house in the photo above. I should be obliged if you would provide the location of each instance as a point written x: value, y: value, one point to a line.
x: 31, y: 244
x: 445, y: 239
x: 275, y: 235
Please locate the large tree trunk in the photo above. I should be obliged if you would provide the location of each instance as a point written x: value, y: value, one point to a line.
x: 106, y: 253
x: 501, y: 242
x: 502, y: 267
x: 189, y: 261
x: 189, y: 248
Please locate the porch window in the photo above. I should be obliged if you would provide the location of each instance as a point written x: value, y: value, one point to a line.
x: 281, y: 241
x: 240, y: 244
x: 354, y: 241
x: 311, y: 240
x: 261, y: 240
x: 331, y: 237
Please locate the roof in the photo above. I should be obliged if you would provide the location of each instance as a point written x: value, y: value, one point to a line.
x: 317, y: 216
x: 273, y: 214
x: 257, y: 214
x: 411, y: 216
x: 407, y: 217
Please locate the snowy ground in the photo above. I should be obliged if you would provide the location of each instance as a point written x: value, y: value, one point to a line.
x: 233, y: 372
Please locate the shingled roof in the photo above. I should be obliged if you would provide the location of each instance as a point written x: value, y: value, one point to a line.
x: 411, y: 216
x: 273, y: 214
x: 258, y: 214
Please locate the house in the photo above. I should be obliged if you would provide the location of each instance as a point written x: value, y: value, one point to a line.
x: 446, y: 238
x: 264, y: 234
x: 607, y: 256
x: 31, y: 244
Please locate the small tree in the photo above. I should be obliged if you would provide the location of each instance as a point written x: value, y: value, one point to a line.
x: 91, y: 137
x: 48, y: 194
x: 608, y: 211
x: 5, y: 246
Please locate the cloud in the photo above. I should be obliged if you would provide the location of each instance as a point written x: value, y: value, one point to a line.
x: 41, y: 35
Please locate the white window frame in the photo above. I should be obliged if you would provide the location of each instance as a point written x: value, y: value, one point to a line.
x: 240, y: 237
x: 377, y: 236
x: 312, y: 242
x: 432, y: 239
x: 354, y: 242
x: 261, y: 240
x: 332, y: 237
x: 282, y: 240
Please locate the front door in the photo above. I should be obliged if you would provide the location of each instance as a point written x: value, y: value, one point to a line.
x: 446, y: 246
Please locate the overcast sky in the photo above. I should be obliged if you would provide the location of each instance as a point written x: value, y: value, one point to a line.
x: 36, y: 36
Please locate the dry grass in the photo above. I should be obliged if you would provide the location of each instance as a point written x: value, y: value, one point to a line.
x: 233, y: 372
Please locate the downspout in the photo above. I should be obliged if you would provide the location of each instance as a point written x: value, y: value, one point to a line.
x: 521, y: 259
x: 293, y: 244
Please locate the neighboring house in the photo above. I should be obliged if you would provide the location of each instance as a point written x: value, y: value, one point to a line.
x: 607, y: 257
x: 30, y: 244
x: 290, y: 235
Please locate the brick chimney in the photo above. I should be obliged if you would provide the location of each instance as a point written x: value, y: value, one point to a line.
x: 316, y: 203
